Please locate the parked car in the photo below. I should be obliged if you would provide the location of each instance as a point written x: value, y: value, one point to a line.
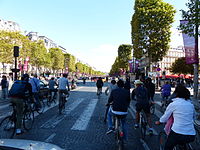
x: 44, y: 89
x: 19, y: 144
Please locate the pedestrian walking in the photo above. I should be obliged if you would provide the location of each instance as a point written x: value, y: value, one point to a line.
x: 4, y: 86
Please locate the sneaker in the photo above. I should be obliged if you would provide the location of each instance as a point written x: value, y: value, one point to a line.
x: 19, y: 131
x: 136, y: 125
x: 110, y: 130
x: 150, y: 131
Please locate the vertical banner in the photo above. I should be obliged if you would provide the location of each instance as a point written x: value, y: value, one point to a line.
x: 25, y: 68
x: 130, y: 62
x: 189, y: 46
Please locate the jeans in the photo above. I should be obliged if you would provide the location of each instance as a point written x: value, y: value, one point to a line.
x: 175, y: 139
x: 123, y: 122
x: 37, y: 99
x: 4, y: 93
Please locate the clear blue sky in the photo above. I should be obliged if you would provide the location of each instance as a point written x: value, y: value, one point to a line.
x: 92, y: 30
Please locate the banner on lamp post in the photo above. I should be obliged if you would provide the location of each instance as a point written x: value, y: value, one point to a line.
x: 189, y: 47
x: 130, y: 62
x: 25, y: 68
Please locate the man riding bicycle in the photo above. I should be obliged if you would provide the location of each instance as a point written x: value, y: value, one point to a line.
x: 18, y: 93
x: 120, y: 100
x: 99, y: 85
x: 63, y: 84
x: 52, y: 84
x: 142, y: 103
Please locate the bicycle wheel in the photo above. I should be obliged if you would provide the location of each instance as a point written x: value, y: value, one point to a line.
x: 28, y: 119
x: 162, y: 137
x: 49, y: 101
x: 7, y: 127
x: 61, y: 104
x: 42, y: 106
x: 143, y: 127
x: 152, y: 109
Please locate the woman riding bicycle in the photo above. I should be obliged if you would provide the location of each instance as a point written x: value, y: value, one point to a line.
x: 183, y: 113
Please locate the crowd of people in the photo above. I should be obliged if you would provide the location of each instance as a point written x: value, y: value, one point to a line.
x: 180, y: 108
x: 120, y: 95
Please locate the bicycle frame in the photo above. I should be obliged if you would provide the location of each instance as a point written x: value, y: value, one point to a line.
x: 119, y: 134
x: 143, y: 124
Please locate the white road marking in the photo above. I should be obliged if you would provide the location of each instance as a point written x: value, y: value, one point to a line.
x: 55, y: 120
x: 50, y: 138
x: 83, y: 120
x: 144, y: 144
x: 4, y: 106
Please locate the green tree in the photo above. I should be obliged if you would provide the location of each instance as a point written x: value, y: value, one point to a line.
x: 57, y: 58
x: 180, y: 67
x: 7, y: 42
x: 151, y: 23
x: 115, y: 67
x: 124, y: 55
x: 38, y: 54
x: 70, y: 62
x: 192, y: 15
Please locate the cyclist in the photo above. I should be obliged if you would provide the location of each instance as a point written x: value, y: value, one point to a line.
x: 99, y: 85
x: 18, y: 99
x: 52, y: 84
x: 142, y: 103
x: 150, y: 88
x: 108, y: 90
x: 120, y: 100
x: 35, y: 83
x: 166, y: 92
x: 62, y: 84
x: 183, y: 112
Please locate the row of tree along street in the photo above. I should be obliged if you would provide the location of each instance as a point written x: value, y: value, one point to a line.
x: 53, y: 58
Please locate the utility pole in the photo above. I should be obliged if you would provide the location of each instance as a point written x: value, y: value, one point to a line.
x: 196, y: 65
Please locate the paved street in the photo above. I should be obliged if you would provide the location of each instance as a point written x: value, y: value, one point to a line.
x: 81, y: 127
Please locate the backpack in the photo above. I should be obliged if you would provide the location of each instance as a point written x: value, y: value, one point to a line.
x: 18, y: 89
x: 141, y: 94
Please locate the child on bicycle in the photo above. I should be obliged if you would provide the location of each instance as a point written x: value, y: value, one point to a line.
x: 183, y: 112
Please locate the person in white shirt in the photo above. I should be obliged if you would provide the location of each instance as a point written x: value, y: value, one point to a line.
x: 35, y: 83
x: 183, y: 112
x: 63, y: 84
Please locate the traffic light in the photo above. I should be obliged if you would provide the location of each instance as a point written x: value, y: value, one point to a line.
x: 16, y: 51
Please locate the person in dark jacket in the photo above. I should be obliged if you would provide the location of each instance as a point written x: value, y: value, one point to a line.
x: 120, y: 100
x: 99, y: 85
x: 142, y: 103
x: 150, y: 89
x: 19, y: 102
x: 127, y: 84
x: 4, y: 87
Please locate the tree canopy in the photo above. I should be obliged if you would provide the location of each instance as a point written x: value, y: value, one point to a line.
x: 180, y: 67
x: 151, y: 23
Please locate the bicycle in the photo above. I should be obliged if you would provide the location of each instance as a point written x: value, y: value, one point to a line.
x: 118, y: 131
x: 62, y: 101
x: 162, y: 137
x: 34, y: 106
x: 51, y: 98
x: 143, y: 124
x: 8, y: 124
x: 152, y: 108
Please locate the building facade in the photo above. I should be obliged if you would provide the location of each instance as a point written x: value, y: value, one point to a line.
x: 9, y: 25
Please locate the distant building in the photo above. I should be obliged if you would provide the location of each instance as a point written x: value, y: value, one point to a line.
x: 9, y: 25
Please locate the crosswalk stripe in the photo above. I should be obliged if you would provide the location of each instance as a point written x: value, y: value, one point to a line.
x: 83, y: 120
x: 51, y: 123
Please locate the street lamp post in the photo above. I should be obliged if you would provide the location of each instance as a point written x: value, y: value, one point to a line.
x: 196, y: 65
